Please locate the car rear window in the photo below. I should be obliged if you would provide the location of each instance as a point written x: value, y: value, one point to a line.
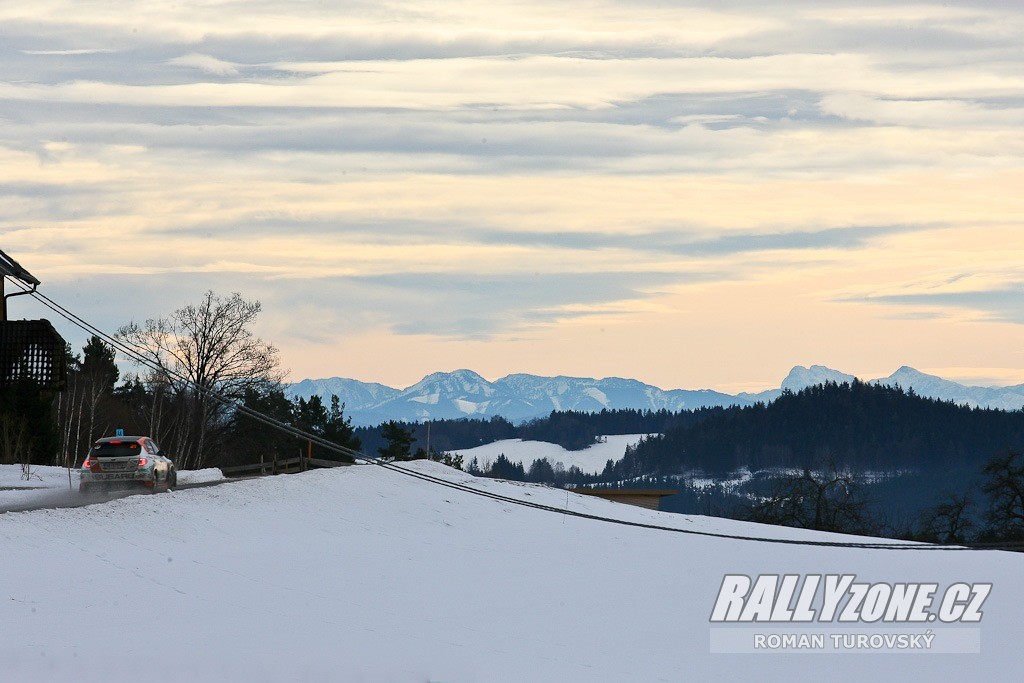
x: 113, y: 450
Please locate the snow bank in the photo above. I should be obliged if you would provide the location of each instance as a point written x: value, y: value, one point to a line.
x: 40, y: 477
x: 200, y: 476
x: 590, y: 460
x: 16, y: 491
x: 363, y: 574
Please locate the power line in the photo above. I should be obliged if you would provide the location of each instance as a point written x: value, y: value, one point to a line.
x: 135, y: 355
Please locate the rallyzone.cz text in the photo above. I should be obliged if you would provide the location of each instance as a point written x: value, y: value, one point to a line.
x: 840, y: 598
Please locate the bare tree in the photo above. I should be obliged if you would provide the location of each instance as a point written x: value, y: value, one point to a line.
x: 950, y: 521
x: 1005, y: 490
x: 199, y: 349
x: 827, y: 499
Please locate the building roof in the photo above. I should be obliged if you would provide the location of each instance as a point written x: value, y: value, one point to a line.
x: 12, y: 268
x: 660, y: 493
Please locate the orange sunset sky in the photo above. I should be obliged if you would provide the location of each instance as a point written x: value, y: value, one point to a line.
x: 692, y: 194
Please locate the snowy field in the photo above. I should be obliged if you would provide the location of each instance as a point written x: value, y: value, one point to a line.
x: 362, y: 574
x: 590, y: 460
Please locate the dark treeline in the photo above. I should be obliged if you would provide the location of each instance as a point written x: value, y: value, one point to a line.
x: 858, y: 426
x: 445, y: 435
x: 195, y: 365
x: 570, y: 429
x: 43, y: 429
x: 540, y: 471
x: 251, y: 440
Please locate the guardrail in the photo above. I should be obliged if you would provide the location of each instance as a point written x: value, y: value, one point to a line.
x: 286, y: 466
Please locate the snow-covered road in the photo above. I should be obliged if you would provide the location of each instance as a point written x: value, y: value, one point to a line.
x: 56, y: 487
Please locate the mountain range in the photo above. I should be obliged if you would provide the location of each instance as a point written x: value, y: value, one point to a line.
x: 520, y: 397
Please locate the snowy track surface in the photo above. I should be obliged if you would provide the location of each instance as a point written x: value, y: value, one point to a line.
x: 362, y: 574
x: 52, y: 487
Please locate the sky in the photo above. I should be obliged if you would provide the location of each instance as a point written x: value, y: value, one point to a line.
x: 695, y: 195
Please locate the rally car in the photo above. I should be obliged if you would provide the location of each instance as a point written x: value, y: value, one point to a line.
x: 127, y: 461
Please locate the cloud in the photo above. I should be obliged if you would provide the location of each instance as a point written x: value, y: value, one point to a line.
x: 686, y: 242
x: 924, y: 113
x: 473, y: 307
x: 66, y: 53
x: 206, y: 64
x: 1005, y: 304
x: 452, y: 305
x: 471, y: 171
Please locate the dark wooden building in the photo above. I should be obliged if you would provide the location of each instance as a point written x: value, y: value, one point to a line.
x: 645, y: 498
x: 31, y: 351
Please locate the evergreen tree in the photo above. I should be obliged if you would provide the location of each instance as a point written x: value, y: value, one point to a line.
x: 541, y: 472
x: 338, y: 430
x: 399, y: 442
x: 503, y: 468
x: 329, y: 423
x: 252, y: 440
x: 98, y: 365
x: 311, y: 415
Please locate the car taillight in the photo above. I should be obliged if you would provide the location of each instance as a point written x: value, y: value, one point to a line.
x: 142, y: 462
x: 87, y: 464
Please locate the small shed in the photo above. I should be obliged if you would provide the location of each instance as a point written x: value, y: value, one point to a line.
x: 645, y: 498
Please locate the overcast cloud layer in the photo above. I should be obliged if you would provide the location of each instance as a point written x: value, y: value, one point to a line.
x: 695, y: 196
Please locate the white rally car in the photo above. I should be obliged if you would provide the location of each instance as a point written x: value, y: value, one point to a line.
x: 127, y: 461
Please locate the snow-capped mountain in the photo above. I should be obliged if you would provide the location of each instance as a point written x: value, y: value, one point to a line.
x: 801, y: 377
x: 519, y: 397
x: 462, y: 393
x: 351, y: 392
x: 545, y: 394
x: 1002, y: 398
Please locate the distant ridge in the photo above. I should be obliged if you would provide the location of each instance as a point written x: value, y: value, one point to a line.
x: 519, y: 397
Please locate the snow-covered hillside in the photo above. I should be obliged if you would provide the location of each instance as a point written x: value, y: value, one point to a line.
x: 590, y: 460
x: 363, y: 574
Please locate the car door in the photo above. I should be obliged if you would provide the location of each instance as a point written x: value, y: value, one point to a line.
x: 159, y: 463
